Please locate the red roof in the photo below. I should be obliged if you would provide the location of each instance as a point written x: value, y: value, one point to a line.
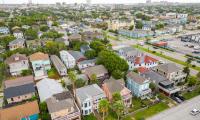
x: 145, y: 59
x: 142, y: 69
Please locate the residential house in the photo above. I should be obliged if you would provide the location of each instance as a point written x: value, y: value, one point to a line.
x: 136, y: 33
x: 60, y: 67
x: 86, y: 63
x: 100, y: 71
x: 88, y: 98
x: 78, y: 56
x: 138, y: 85
x: 171, y: 71
x: 62, y: 106
x: 142, y: 61
x: 75, y: 37
x: 90, y: 35
x: 111, y: 86
x: 18, y: 34
x: 25, y: 111
x: 17, y: 63
x: 4, y: 30
x: 40, y: 64
x: 47, y: 88
x: 84, y: 48
x: 18, y: 90
x: 67, y: 59
x: 129, y: 52
x: 64, y: 40
x: 17, y: 43
x: 117, y: 24
x: 33, y: 44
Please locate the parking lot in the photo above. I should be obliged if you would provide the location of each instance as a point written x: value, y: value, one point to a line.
x: 180, y: 112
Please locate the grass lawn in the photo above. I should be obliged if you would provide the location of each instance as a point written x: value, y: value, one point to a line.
x: 53, y: 74
x: 138, y: 104
x: 194, y: 93
x: 151, y: 111
x: 166, y: 57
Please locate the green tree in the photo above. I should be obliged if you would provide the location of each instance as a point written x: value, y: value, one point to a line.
x: 118, y: 107
x: 44, y: 115
x: 116, y: 97
x: 131, y: 27
x: 103, y: 107
x: 80, y: 83
x: 31, y: 34
x: 44, y: 28
x: 198, y: 75
x: 192, y: 81
x: 117, y: 74
x: 4, y: 41
x: 139, y: 25
x: 187, y: 71
x: 72, y: 77
x: 90, y: 54
x: 97, y: 46
x: 26, y: 72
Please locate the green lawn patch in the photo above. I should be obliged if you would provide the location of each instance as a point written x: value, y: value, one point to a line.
x: 166, y: 57
x: 194, y: 93
x: 151, y: 111
x: 53, y: 74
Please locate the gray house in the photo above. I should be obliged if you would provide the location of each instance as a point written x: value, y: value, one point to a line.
x: 17, y: 43
x: 60, y: 67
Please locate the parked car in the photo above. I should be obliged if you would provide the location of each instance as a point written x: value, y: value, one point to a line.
x: 194, y: 112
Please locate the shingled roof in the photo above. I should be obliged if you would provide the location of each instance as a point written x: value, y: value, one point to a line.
x: 15, y: 58
x: 38, y: 56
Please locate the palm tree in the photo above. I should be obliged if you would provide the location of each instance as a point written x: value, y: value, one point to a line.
x: 72, y: 77
x: 118, y: 107
x: 103, y: 106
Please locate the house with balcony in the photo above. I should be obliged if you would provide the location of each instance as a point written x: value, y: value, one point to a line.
x: 138, y: 85
x: 40, y: 64
x: 171, y: 71
x: 25, y: 111
x: 17, y: 43
x: 17, y: 63
x: 111, y: 86
x: 19, y: 90
x: 58, y: 64
x: 67, y: 59
x: 62, y: 106
x: 168, y: 88
x: 88, y: 98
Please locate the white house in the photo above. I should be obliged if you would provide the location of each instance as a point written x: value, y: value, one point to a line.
x: 67, y: 59
x: 18, y: 34
x: 86, y: 63
x: 88, y: 98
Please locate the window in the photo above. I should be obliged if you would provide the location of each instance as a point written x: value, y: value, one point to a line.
x: 85, y: 105
x: 86, y: 112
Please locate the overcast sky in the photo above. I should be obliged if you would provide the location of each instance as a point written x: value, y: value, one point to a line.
x: 93, y: 1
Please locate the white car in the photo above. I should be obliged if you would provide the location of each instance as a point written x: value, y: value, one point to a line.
x: 194, y: 112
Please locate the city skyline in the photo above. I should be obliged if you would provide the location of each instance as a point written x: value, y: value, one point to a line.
x: 93, y: 1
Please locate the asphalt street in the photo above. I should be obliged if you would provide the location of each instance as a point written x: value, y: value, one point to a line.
x: 180, y: 112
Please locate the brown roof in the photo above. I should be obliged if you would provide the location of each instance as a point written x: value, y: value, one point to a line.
x: 136, y: 77
x: 97, y: 70
x: 38, y: 56
x: 15, y: 58
x: 115, y: 85
x: 19, y: 111
x: 18, y: 81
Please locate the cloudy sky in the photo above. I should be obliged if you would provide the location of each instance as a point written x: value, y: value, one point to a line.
x: 93, y: 1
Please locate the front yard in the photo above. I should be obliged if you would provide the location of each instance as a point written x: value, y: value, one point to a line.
x: 194, y: 93
x: 53, y: 74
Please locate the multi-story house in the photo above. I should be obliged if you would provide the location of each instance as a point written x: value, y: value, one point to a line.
x: 67, y: 59
x: 18, y: 34
x: 99, y: 71
x: 4, y: 30
x: 78, y: 56
x: 112, y: 86
x: 88, y: 98
x: 62, y: 106
x: 86, y: 63
x: 40, y: 64
x: 142, y: 61
x: 60, y: 67
x: 19, y: 90
x: 17, y: 63
x: 171, y: 71
x: 17, y: 43
x: 138, y: 85
x: 25, y: 111
x: 129, y: 52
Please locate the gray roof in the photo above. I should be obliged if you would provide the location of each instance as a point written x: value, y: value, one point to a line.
x: 130, y: 51
x: 57, y: 62
x: 168, y: 68
x: 19, y: 90
x: 115, y: 85
x: 127, y: 49
x: 89, y: 91
x: 97, y: 70
x: 85, y: 47
x: 76, y: 54
x: 17, y: 41
x: 166, y: 82
x: 153, y: 76
x: 60, y: 102
x: 136, y: 77
x: 87, y: 61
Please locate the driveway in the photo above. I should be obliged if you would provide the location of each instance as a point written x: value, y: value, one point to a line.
x: 180, y: 112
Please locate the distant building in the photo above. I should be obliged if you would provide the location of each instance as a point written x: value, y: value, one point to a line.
x: 60, y: 67
x: 17, y: 43
x: 18, y: 34
x: 4, y: 30
x: 86, y: 63
x: 148, y: 1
